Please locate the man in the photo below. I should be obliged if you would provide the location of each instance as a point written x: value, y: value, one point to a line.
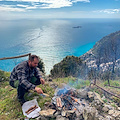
x: 25, y: 76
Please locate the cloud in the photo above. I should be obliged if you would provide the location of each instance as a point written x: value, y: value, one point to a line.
x: 56, y: 4
x: 81, y: 1
x: 11, y: 8
x: 59, y: 3
x: 39, y: 4
x: 109, y: 11
x: 21, y: 5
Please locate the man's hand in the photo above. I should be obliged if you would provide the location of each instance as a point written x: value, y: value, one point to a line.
x: 39, y: 90
x: 42, y: 81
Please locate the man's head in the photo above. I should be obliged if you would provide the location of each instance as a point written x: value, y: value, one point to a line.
x: 33, y: 61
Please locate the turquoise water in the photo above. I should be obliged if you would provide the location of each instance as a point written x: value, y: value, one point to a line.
x: 51, y: 39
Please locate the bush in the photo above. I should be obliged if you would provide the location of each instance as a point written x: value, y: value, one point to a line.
x: 69, y: 66
x: 41, y: 65
x: 4, y: 76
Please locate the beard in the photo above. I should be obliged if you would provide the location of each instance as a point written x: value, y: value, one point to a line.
x: 32, y: 67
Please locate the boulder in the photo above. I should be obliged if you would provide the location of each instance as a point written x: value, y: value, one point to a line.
x: 59, y: 117
x: 82, y: 93
x: 91, y: 96
x: 47, y: 113
x: 89, y: 113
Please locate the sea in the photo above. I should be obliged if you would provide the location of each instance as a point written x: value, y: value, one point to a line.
x: 51, y: 39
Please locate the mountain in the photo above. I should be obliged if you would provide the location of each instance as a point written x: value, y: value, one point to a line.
x: 105, y: 54
x: 102, y: 61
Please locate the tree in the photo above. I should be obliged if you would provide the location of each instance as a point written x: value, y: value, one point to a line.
x: 69, y: 66
x: 41, y: 65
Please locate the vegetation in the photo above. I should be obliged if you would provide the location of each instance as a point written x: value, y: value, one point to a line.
x: 10, y: 108
x: 105, y: 51
x: 72, y: 82
x: 41, y: 65
x: 4, y: 76
x: 69, y: 66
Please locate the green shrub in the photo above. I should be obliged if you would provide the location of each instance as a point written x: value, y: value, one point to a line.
x: 113, y: 83
x: 4, y: 76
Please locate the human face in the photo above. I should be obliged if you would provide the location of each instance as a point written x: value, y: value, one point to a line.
x: 34, y: 63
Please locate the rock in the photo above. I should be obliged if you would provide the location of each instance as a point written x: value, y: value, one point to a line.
x: 70, y: 114
x: 97, y: 96
x: 82, y: 93
x: 57, y: 113
x: 42, y: 118
x: 106, y: 108
x: 47, y: 113
x: 116, y: 114
x: 67, y: 113
x: 91, y: 96
x: 111, y: 112
x: 89, y: 113
x: 63, y: 113
x: 97, y: 102
x: 59, y: 117
x: 119, y: 108
x: 108, y: 118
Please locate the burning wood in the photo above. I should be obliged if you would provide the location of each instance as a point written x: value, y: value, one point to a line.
x: 31, y: 109
x: 71, y: 104
x: 58, y: 100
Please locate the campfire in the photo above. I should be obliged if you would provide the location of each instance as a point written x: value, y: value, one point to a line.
x: 67, y: 98
x: 78, y: 104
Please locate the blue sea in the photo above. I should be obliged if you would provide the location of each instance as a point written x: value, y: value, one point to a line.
x: 51, y: 39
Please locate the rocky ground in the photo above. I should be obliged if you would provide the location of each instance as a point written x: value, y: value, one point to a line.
x: 90, y: 106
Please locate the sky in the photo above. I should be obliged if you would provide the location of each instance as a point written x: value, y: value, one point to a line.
x: 21, y: 9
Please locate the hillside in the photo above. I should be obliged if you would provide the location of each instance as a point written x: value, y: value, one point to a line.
x: 105, y: 53
x: 10, y: 108
x: 69, y: 66
x: 102, y: 59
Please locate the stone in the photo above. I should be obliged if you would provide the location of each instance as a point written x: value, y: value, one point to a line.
x: 42, y: 118
x: 119, y: 108
x: 91, y: 96
x: 82, y: 93
x: 110, y: 112
x: 97, y: 103
x: 116, y: 114
x: 97, y: 96
x: 70, y: 113
x: 89, y: 113
x: 47, y: 113
x: 105, y: 109
x: 57, y: 113
x: 63, y: 113
x: 59, y: 117
x: 109, y: 118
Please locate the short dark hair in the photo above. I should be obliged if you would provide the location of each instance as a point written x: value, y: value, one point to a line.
x: 31, y: 57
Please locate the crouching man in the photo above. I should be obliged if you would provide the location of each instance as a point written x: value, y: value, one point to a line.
x: 25, y: 76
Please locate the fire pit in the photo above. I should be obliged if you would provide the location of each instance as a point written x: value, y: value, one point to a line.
x: 82, y: 104
x: 66, y: 98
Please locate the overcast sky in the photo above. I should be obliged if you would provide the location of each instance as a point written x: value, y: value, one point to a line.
x: 14, y: 9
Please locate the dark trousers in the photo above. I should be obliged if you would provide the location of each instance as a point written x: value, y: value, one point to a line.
x: 21, y: 91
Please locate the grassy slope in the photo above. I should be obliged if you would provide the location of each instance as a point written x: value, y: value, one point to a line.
x: 10, y: 109
x: 9, y: 106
